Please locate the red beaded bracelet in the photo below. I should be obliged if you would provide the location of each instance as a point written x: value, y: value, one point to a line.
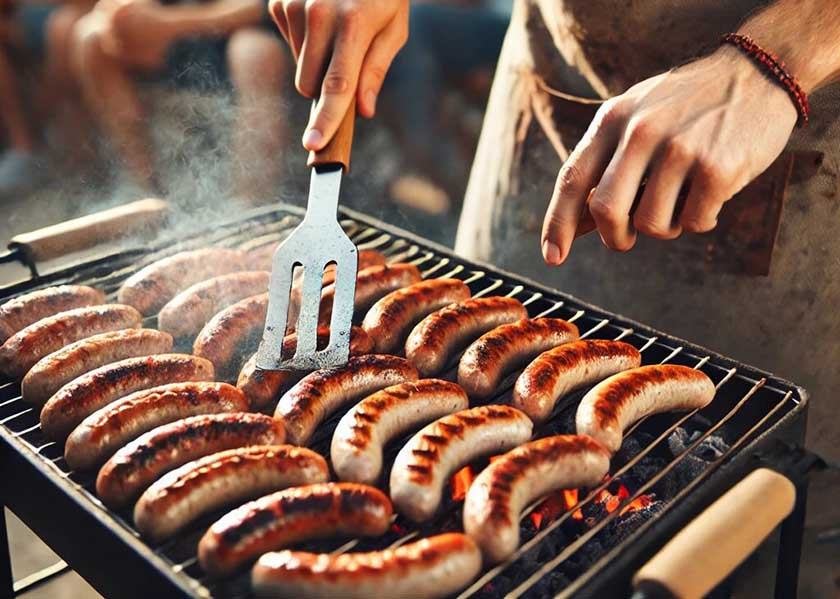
x: 775, y: 68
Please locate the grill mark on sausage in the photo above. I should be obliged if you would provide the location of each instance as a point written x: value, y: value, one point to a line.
x: 551, y: 364
x: 446, y: 431
x: 493, y: 346
x: 404, y: 301
x: 514, y: 465
x: 622, y: 389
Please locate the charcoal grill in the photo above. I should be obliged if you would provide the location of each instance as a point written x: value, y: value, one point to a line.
x: 758, y: 416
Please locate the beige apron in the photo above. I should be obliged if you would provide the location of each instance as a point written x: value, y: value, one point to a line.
x: 786, y: 321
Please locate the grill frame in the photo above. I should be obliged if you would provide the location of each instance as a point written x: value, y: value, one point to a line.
x: 105, y: 553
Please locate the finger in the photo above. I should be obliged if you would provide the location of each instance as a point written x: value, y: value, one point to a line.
x: 656, y: 215
x: 296, y: 18
x: 378, y: 59
x: 578, y: 175
x: 316, y: 48
x: 340, y: 83
x: 708, y: 192
x: 615, y: 193
x: 278, y: 15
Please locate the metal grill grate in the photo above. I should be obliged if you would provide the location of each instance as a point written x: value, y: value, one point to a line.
x: 746, y: 404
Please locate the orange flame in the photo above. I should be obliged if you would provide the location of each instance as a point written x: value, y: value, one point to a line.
x: 461, y: 481
x: 552, y: 506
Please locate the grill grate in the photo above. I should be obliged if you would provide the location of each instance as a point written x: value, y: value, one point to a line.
x: 746, y: 404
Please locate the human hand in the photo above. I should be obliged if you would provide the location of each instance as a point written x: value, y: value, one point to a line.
x: 342, y: 48
x: 707, y: 128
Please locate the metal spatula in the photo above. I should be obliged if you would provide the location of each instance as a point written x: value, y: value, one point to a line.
x: 317, y: 242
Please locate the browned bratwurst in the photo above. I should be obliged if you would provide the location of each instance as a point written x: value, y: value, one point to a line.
x: 226, y: 478
x: 497, y: 353
x: 23, y: 349
x: 231, y: 333
x: 186, y: 313
x: 109, y: 428
x: 59, y: 368
x: 22, y: 311
x: 390, y: 319
x: 81, y: 397
x: 144, y: 460
x: 319, y: 394
x: 372, y: 283
x: 438, y: 336
x: 151, y: 287
x: 264, y: 386
x: 438, y: 566
x: 291, y: 516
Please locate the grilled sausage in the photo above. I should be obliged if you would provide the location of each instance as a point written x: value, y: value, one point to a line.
x: 151, y: 287
x: 319, y: 394
x: 435, y: 567
x: 59, y: 368
x: 224, y: 478
x: 372, y: 283
x: 23, y: 349
x: 22, y: 311
x: 231, y: 333
x: 264, y: 386
x: 438, y: 336
x: 497, y: 353
x: 291, y: 516
x: 358, y: 440
x: 186, y: 313
x: 109, y: 428
x: 566, y: 368
x: 81, y: 397
x: 391, y: 318
x: 511, y: 482
x: 423, y: 466
x: 137, y: 465
x: 617, y: 402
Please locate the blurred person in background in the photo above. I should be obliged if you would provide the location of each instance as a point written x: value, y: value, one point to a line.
x: 204, y: 46
x: 35, y: 72
x: 451, y: 44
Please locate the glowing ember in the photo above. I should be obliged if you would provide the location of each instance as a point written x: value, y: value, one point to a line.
x: 552, y: 506
x: 461, y: 481
x: 640, y: 503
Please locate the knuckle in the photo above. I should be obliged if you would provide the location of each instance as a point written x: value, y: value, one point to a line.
x: 375, y: 73
x: 351, y: 15
x: 677, y: 150
x: 336, y: 84
x: 712, y: 174
x: 317, y: 12
x: 641, y: 131
x: 603, y: 209
x: 570, y: 179
x: 652, y: 227
x: 611, y: 112
x: 697, y: 224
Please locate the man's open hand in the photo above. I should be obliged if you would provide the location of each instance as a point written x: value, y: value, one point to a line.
x: 342, y: 48
x: 707, y: 129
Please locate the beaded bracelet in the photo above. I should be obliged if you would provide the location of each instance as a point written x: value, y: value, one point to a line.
x: 774, y: 67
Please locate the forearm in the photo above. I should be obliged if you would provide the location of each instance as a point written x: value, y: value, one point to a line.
x: 216, y: 18
x: 805, y: 34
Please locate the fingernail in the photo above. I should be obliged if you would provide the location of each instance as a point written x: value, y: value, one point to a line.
x: 370, y: 100
x: 551, y: 252
x: 312, y: 139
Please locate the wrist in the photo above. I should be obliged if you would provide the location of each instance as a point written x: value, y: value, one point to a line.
x: 749, y: 75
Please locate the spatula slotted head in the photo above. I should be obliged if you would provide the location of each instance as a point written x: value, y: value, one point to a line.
x: 317, y: 242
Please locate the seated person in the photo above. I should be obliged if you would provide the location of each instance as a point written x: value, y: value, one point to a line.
x: 196, y: 45
x: 38, y: 34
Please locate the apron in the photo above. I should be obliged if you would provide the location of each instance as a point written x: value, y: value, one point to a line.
x: 763, y: 288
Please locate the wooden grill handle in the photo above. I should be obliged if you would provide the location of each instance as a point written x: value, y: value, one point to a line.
x: 337, y: 151
x: 88, y: 231
x: 713, y: 544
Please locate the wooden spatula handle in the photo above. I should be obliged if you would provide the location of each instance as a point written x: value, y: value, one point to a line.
x: 721, y: 537
x: 337, y: 151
